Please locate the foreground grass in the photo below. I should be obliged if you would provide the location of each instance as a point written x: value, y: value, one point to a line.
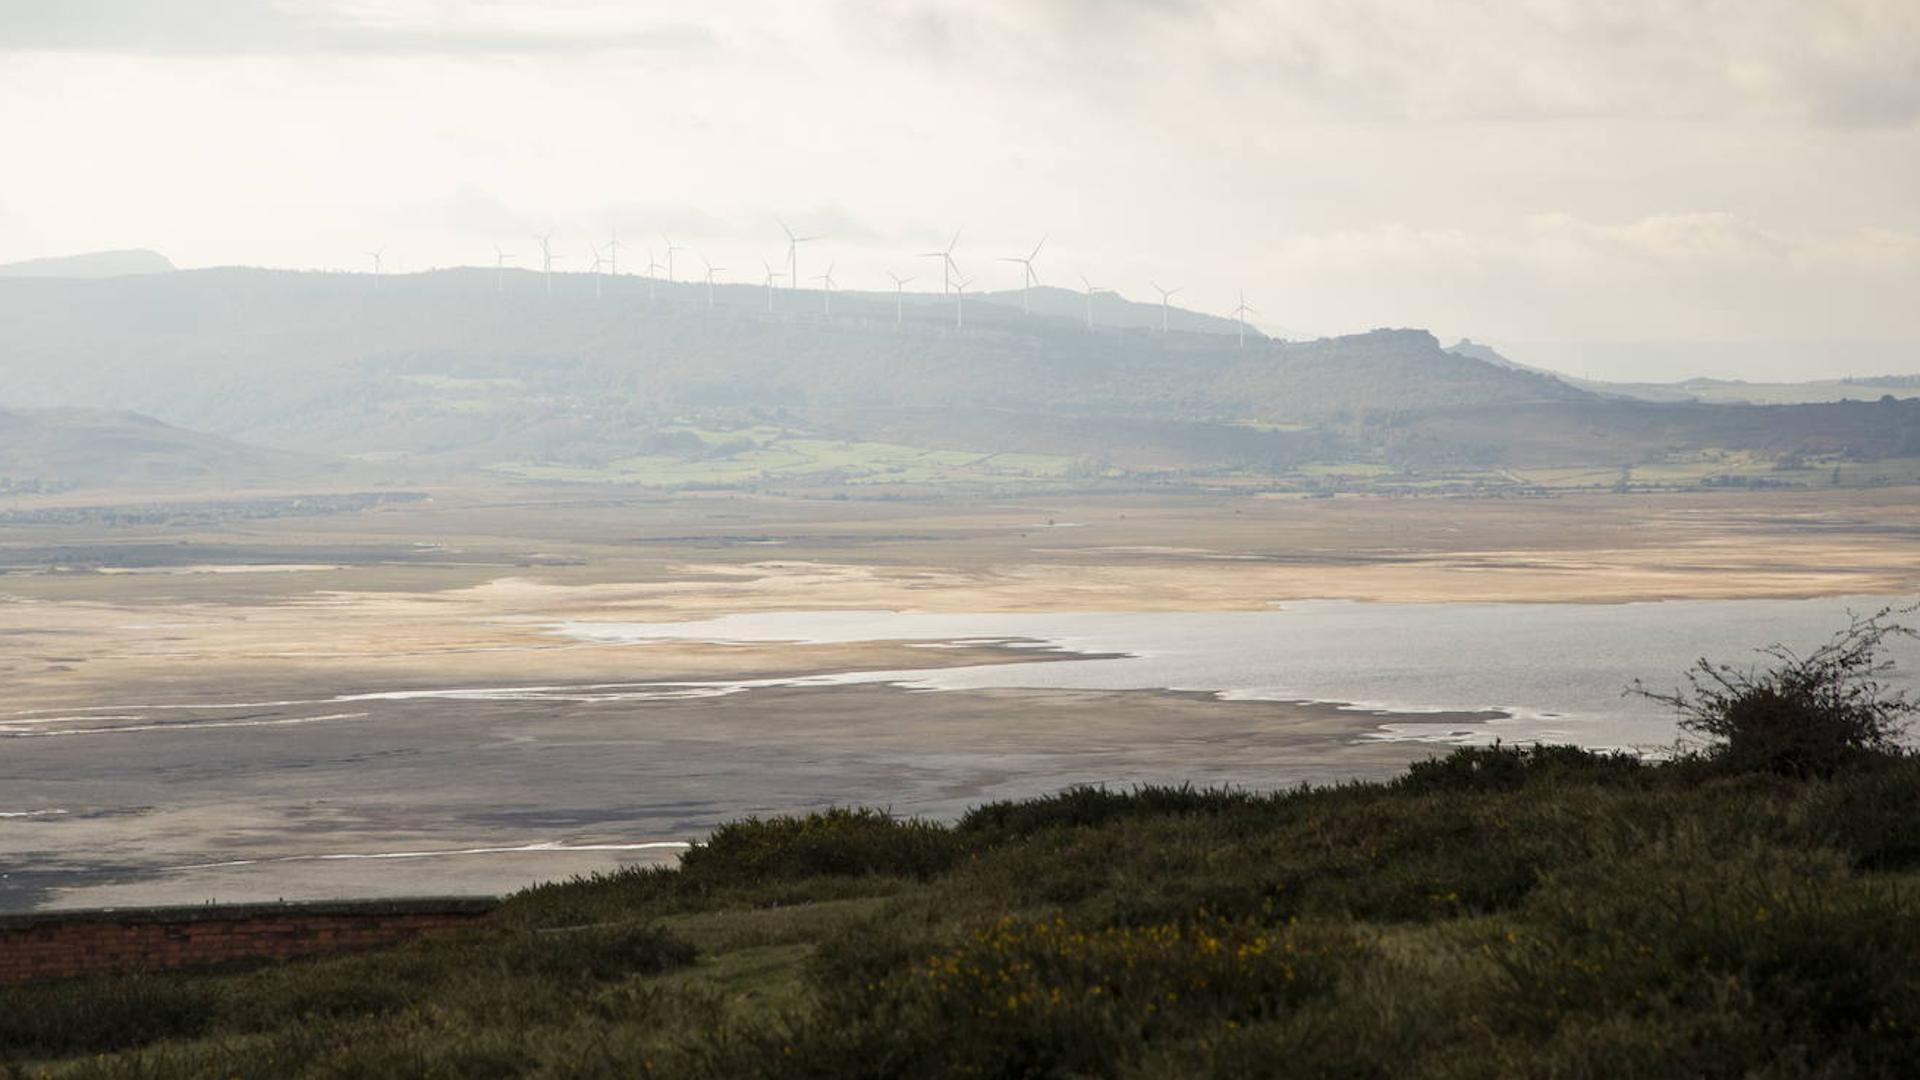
x: 1493, y: 913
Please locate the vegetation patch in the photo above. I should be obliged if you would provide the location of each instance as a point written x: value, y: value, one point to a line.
x: 1746, y: 907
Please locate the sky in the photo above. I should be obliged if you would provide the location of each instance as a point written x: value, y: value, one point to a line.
x: 1630, y: 189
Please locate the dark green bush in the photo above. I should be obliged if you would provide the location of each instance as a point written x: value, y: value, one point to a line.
x: 841, y: 841
x: 1509, y: 768
x: 597, y: 952
x: 97, y: 1015
x: 1809, y: 715
x: 1871, y: 814
x: 1087, y: 805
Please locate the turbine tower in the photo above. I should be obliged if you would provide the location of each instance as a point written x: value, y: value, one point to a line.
x: 670, y: 250
x: 948, y: 268
x: 960, y: 303
x: 1165, y: 295
x: 1028, y: 277
x: 598, y: 262
x: 826, y: 294
x: 711, y: 270
x: 1091, y: 289
x: 793, y: 253
x: 1240, y: 314
x: 652, y: 279
x: 613, y: 251
x: 375, y: 256
x: 546, y: 259
x: 899, y: 284
x: 770, y: 276
x: 500, y: 261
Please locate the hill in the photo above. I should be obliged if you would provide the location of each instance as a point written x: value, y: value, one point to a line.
x: 1498, y: 912
x: 586, y: 378
x: 469, y: 365
x: 98, y: 264
x: 1719, y: 391
x: 50, y: 450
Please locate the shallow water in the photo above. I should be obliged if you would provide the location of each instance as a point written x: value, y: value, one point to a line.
x: 1559, y: 671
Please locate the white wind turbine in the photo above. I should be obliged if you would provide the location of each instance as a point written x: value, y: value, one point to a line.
x: 1029, y: 278
x: 375, y: 256
x: 1240, y: 314
x: 670, y: 250
x: 711, y: 270
x: 1165, y: 295
x: 652, y: 280
x: 599, y: 262
x: 899, y: 285
x: 793, y: 253
x: 948, y: 268
x: 770, y: 276
x: 1091, y: 289
x: 500, y: 261
x: 826, y: 294
x: 546, y: 259
x: 960, y: 303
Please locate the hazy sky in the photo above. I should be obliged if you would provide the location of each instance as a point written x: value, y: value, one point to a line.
x: 1526, y: 172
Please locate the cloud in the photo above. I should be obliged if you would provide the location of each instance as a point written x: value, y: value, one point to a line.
x: 1848, y: 63
x: 333, y: 27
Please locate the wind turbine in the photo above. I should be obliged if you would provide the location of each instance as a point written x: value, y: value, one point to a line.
x: 960, y: 303
x: 651, y: 279
x: 948, y: 268
x: 1165, y: 295
x: 598, y: 262
x: 1240, y: 314
x: 793, y: 253
x: 770, y: 276
x: 899, y: 285
x: 670, y: 250
x: 826, y: 295
x: 1091, y: 289
x: 375, y: 256
x: 546, y: 259
x: 500, y: 260
x: 613, y: 251
x: 1028, y: 277
x: 711, y: 270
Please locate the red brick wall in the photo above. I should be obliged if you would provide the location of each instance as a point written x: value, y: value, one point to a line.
x: 61, y: 944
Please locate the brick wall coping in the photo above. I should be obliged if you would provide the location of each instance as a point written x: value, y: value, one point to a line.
x: 200, y: 913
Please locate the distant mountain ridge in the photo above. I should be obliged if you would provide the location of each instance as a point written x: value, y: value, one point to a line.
x: 1715, y: 391
x: 98, y: 264
x: 463, y: 361
x: 58, y: 449
x: 473, y: 368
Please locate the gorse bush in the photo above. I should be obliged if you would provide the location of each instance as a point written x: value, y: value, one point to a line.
x: 1799, y: 715
x: 1088, y: 805
x: 841, y: 841
x: 1750, y: 909
x: 1509, y: 768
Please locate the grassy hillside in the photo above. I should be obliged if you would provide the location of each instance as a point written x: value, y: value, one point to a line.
x: 1749, y: 910
x: 646, y: 383
x: 49, y: 450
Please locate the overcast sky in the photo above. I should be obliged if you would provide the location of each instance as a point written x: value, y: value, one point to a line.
x: 1552, y: 176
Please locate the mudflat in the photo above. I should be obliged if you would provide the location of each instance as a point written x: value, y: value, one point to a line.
x: 187, y: 798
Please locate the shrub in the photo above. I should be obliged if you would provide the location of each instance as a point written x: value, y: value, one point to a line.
x: 1087, y: 805
x: 1509, y: 768
x: 1056, y: 997
x: 598, y: 952
x: 1802, y: 715
x: 842, y: 841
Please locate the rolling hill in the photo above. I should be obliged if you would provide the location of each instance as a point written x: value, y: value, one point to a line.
x: 51, y: 450
x: 624, y: 379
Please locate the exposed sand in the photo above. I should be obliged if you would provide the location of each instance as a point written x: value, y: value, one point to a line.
x: 463, y: 592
